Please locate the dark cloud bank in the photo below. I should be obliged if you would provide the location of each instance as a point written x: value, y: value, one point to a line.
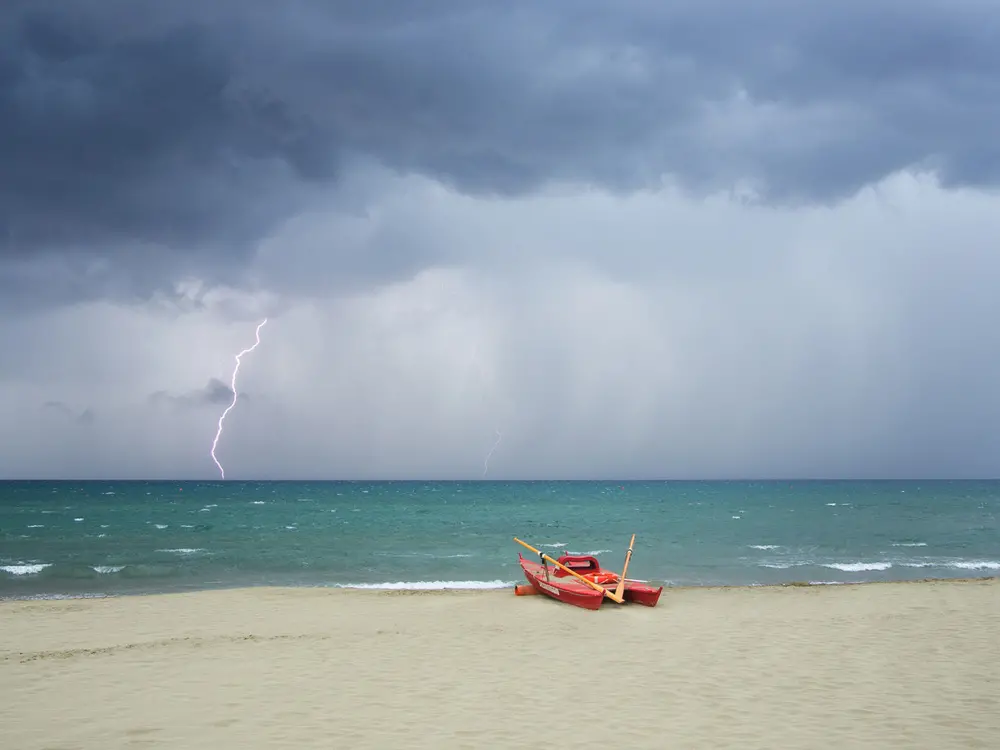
x: 215, y: 393
x: 144, y: 142
x: 153, y: 139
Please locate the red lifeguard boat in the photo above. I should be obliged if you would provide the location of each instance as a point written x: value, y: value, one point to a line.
x: 581, y: 581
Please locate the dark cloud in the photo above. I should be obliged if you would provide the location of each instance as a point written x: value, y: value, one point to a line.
x: 215, y: 392
x: 170, y: 138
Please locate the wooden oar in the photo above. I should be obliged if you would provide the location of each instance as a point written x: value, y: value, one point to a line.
x: 612, y: 596
x: 620, y: 588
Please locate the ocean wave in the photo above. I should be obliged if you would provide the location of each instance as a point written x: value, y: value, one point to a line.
x: 858, y: 567
x: 426, y: 585
x: 51, y: 597
x: 880, y: 565
x: 955, y: 564
x: 909, y: 544
x: 25, y: 569
x: 828, y: 583
x: 107, y: 569
x: 184, y: 550
x: 429, y: 555
x: 851, y: 567
x: 764, y: 546
x: 975, y: 565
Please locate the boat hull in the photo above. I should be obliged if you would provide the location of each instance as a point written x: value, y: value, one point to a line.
x: 639, y: 593
x: 569, y: 591
x: 572, y: 591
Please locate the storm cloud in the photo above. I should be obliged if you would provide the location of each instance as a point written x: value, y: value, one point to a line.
x: 182, y: 134
x: 638, y: 238
x: 214, y: 393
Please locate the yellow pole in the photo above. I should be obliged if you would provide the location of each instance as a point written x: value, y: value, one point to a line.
x: 620, y: 588
x: 597, y: 587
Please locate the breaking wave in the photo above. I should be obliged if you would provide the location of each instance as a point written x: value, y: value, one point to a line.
x: 880, y: 565
x: 25, y: 569
x: 858, y: 567
x: 426, y: 585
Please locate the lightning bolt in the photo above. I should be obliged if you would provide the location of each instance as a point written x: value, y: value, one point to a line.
x: 474, y: 363
x: 486, y: 463
x: 235, y: 396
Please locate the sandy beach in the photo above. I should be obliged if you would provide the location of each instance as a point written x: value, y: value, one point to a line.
x: 914, y: 665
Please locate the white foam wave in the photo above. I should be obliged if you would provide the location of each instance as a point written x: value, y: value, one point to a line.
x: 162, y: 525
x: 259, y: 502
x: 108, y: 569
x: 909, y: 544
x: 183, y: 550
x: 765, y: 546
x: 957, y: 564
x: 25, y: 569
x: 858, y: 567
x: 828, y: 583
x: 591, y: 552
x: 426, y: 585
x: 852, y: 567
x: 976, y: 565
x: 36, y: 526
x: 78, y: 520
x: 51, y: 597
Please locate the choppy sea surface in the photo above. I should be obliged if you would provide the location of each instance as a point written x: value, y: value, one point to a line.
x: 106, y: 538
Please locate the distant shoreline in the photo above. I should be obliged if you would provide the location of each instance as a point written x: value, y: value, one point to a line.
x: 492, y: 480
x: 395, y: 590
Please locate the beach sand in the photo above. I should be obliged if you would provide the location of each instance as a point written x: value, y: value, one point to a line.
x: 909, y: 665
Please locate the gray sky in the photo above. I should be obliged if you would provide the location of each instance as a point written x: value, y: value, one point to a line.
x: 639, y: 239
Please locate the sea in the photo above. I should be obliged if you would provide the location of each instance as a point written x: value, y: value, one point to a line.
x: 98, y: 538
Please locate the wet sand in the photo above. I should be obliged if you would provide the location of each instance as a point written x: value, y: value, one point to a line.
x: 907, y: 665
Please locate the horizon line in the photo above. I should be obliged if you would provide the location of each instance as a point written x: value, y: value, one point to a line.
x: 474, y: 480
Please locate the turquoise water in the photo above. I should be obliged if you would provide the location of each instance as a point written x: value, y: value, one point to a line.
x: 80, y: 538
